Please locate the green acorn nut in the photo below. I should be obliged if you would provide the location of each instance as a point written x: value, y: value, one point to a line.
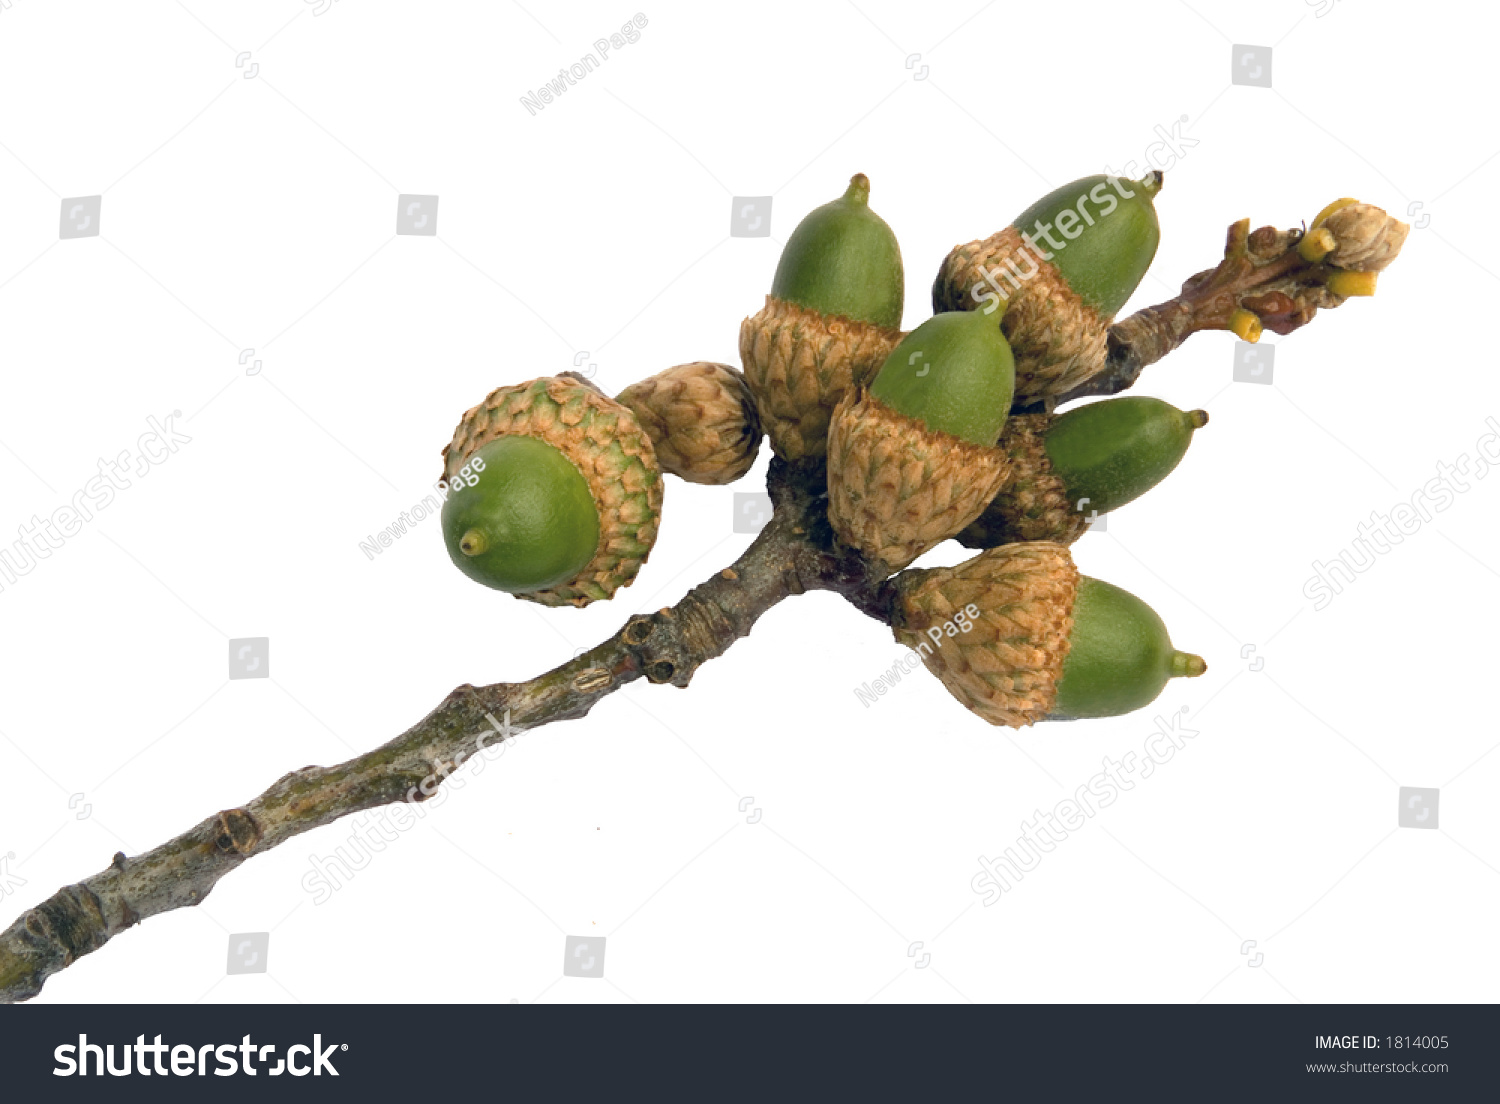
x: 954, y: 373
x: 833, y: 315
x: 555, y: 492
x: 1120, y: 656
x: 843, y: 260
x: 1065, y: 266
x: 914, y: 461
x: 1065, y: 468
x: 1017, y: 635
x: 529, y: 521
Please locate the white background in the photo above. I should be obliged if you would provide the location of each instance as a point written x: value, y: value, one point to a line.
x: 260, y: 214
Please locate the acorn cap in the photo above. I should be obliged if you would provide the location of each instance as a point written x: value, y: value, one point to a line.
x: 1059, y: 341
x: 800, y: 364
x: 1006, y: 666
x: 701, y: 418
x: 605, y: 442
x: 1034, y: 504
x: 1366, y: 238
x: 897, y: 488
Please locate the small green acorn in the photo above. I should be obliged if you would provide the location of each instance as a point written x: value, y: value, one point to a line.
x: 1017, y: 635
x: 555, y: 492
x: 527, y: 523
x: 843, y: 260
x: 954, y: 373
x: 1065, y: 266
x: 1065, y: 468
x: 914, y: 461
x: 833, y: 315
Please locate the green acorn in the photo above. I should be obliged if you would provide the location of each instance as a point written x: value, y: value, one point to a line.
x: 914, y: 461
x: 1017, y: 635
x: 843, y: 260
x: 1064, y: 468
x: 833, y: 315
x: 1065, y: 266
x: 555, y: 492
x: 528, y: 522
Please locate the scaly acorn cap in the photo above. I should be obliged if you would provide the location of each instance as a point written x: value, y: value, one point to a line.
x: 701, y: 418
x: 897, y: 488
x: 1366, y: 239
x: 1006, y: 665
x: 800, y: 364
x: 1061, y: 295
x: 1016, y: 634
x: 605, y: 442
x: 1091, y: 459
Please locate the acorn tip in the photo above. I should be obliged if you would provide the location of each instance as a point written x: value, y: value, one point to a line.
x: 1197, y: 418
x: 859, y: 188
x: 472, y: 543
x: 1187, y: 665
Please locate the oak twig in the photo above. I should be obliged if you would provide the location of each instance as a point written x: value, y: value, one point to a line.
x: 796, y: 552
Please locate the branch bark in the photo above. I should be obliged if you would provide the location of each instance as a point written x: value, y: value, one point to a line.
x: 795, y: 553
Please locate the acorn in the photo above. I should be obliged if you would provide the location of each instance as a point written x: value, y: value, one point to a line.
x: 913, y: 460
x: 833, y: 316
x: 555, y: 492
x: 1065, y: 468
x: 1017, y: 635
x: 701, y: 419
x: 1065, y: 266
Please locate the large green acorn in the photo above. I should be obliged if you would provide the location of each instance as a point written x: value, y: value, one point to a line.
x: 913, y: 461
x: 1064, y: 468
x: 1065, y: 266
x: 1017, y: 635
x: 833, y: 315
x: 555, y: 492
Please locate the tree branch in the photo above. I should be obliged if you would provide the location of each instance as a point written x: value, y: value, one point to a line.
x: 796, y: 552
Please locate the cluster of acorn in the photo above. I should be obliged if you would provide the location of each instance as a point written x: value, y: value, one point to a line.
x: 917, y: 436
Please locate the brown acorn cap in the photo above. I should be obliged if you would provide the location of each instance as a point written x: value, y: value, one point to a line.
x: 1006, y: 667
x: 1059, y: 341
x: 701, y: 418
x: 1034, y: 504
x: 897, y: 488
x: 800, y: 364
x: 606, y: 444
x: 1366, y: 238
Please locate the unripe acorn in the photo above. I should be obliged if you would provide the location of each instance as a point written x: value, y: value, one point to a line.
x: 701, y: 418
x: 1065, y: 266
x: 1064, y: 468
x: 914, y: 461
x: 529, y: 521
x: 833, y: 315
x: 1017, y: 635
x: 560, y: 462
